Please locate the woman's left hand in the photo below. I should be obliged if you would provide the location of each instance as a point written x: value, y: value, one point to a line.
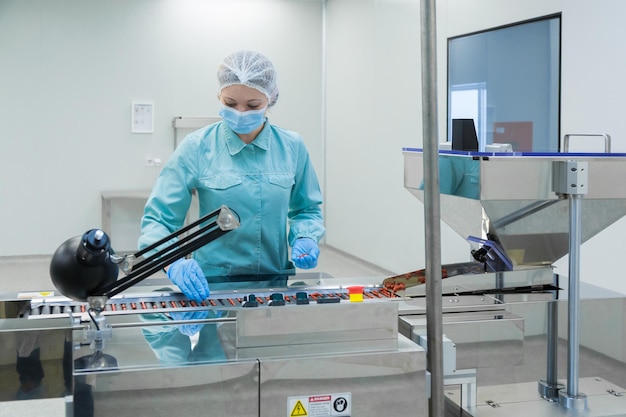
x: 304, y: 253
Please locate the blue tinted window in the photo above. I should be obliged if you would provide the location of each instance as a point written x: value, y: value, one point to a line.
x: 507, y: 80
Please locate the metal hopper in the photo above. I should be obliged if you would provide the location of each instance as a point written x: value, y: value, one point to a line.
x: 509, y: 198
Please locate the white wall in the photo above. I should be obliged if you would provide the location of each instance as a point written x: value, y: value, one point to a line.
x: 591, y: 70
x: 593, y: 66
x: 374, y: 109
x: 71, y: 68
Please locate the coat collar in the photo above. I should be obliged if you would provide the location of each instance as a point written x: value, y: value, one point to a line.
x: 235, y: 144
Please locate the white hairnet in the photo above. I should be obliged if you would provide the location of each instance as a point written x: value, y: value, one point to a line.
x: 251, y: 69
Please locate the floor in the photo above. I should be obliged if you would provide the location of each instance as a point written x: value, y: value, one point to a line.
x: 339, y: 264
x: 31, y: 273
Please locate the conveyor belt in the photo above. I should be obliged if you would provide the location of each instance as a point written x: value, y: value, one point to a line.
x: 49, y: 307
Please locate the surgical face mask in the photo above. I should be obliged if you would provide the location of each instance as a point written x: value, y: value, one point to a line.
x: 243, y: 122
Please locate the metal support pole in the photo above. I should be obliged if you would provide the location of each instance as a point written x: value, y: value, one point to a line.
x: 432, y: 215
x: 570, y: 178
x: 572, y: 399
x: 553, y: 339
x: 573, y: 295
x: 549, y: 388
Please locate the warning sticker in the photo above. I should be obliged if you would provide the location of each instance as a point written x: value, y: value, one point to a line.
x: 323, y: 405
x: 298, y: 410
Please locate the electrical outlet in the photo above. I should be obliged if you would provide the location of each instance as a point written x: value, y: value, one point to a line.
x: 153, y: 162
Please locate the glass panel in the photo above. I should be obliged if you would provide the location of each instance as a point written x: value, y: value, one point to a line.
x: 507, y: 80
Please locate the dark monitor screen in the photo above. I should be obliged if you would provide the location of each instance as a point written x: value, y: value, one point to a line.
x: 464, y: 135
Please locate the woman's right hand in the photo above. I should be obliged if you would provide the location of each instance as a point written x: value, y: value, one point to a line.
x: 187, y: 275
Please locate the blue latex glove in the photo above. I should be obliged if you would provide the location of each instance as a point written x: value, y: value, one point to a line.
x: 188, y: 276
x: 191, y: 328
x: 304, y: 253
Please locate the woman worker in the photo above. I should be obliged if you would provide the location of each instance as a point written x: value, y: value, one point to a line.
x: 261, y: 171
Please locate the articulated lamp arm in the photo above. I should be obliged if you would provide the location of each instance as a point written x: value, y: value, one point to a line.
x: 85, y: 267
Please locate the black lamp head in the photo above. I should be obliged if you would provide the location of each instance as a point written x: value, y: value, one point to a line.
x: 82, y: 265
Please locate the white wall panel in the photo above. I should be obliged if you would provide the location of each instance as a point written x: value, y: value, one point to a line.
x: 374, y: 109
x: 70, y: 70
x: 593, y: 65
x: 374, y: 103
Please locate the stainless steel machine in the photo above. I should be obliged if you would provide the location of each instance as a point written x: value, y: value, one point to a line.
x: 122, y: 344
x: 532, y: 351
x: 314, y: 345
x: 291, y: 346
